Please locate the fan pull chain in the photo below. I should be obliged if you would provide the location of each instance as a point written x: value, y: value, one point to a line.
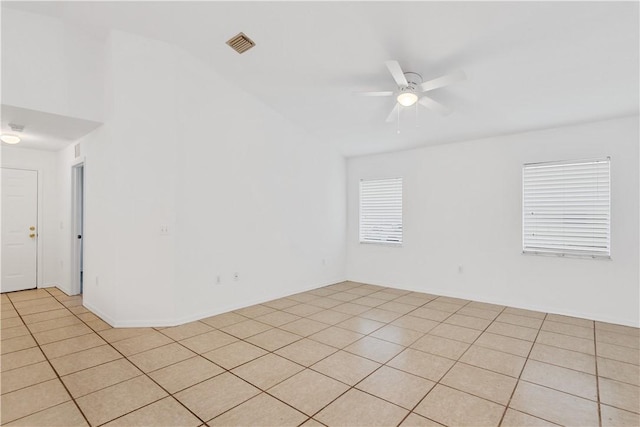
x: 417, y: 125
x: 398, y: 121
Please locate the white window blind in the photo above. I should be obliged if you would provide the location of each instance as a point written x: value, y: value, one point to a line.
x: 381, y: 211
x: 566, y: 208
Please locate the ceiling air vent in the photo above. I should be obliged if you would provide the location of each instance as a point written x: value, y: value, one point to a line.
x: 16, y: 128
x: 241, y: 43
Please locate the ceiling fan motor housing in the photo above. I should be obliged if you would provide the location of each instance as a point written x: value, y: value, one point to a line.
x: 414, y: 79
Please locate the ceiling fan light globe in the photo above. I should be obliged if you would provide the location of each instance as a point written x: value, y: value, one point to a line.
x: 10, y: 139
x: 407, y: 99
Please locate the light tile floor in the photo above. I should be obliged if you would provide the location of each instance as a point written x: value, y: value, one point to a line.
x: 345, y: 354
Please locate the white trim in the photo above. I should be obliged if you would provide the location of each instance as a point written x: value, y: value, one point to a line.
x: 560, y: 162
x: 204, y: 314
x: 77, y: 161
x: 561, y: 255
x: 626, y: 322
x: 233, y: 307
x: 101, y: 315
x: 226, y: 309
x: 392, y: 244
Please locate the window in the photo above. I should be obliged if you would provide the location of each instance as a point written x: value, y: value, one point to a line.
x: 381, y: 211
x: 566, y: 208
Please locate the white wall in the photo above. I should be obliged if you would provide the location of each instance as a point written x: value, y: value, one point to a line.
x: 50, y: 263
x: 256, y: 196
x: 48, y: 66
x: 462, y: 206
x: 101, y: 230
x: 241, y: 189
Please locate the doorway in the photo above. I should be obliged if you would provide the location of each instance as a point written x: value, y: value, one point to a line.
x: 77, y: 228
x: 19, y: 229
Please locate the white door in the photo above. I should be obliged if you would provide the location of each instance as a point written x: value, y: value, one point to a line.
x: 19, y: 233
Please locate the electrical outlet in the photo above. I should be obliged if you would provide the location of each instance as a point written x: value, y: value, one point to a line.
x: 164, y: 230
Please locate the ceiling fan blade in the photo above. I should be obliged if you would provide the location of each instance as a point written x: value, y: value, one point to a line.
x: 434, y: 106
x: 442, y: 81
x: 384, y: 93
x: 396, y: 72
x: 393, y: 114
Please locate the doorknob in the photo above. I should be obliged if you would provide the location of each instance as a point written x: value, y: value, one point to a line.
x: 32, y: 235
x: 32, y: 228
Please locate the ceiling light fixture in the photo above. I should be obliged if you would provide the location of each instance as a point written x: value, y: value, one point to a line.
x: 10, y: 139
x: 407, y: 99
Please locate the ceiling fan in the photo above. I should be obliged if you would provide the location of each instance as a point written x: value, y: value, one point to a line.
x: 411, y: 87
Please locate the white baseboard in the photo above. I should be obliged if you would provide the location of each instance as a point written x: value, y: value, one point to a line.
x: 204, y: 314
x: 220, y: 310
x: 100, y: 314
x: 626, y: 322
x: 224, y: 309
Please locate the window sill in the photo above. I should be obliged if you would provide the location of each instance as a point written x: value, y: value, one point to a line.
x: 390, y: 244
x: 560, y: 255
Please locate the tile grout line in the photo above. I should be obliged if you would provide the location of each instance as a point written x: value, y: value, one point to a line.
x: 309, y: 367
x: 556, y: 365
x: 52, y: 368
x: 388, y: 323
x: 273, y: 352
x: 595, y: 356
x: 261, y: 392
x: 548, y: 345
x: 349, y: 386
x: 143, y: 373
x: 268, y: 352
x: 555, y: 389
x: 384, y: 364
x: 91, y: 348
x: 520, y: 375
x: 575, y: 370
x: 123, y: 356
x: 271, y: 326
x: 285, y: 379
x: 452, y: 366
x: 351, y: 316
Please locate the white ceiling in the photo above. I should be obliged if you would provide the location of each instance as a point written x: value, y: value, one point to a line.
x: 44, y: 131
x: 530, y: 65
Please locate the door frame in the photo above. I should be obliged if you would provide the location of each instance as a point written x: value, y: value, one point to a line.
x: 77, y: 220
